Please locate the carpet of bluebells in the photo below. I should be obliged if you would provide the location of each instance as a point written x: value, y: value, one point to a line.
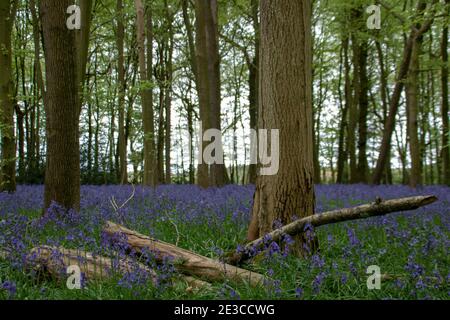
x: 411, y: 248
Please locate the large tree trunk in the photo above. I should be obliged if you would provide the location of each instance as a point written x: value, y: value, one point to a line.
x: 286, y: 104
x: 208, y: 64
x: 62, y: 177
x: 145, y: 67
x: 445, y: 151
x: 201, y: 7
x: 8, y: 145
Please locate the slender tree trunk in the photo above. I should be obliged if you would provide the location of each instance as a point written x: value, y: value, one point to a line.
x: 445, y: 151
x: 254, y: 85
x: 385, y: 104
x: 342, y: 154
x: 352, y: 113
x: 394, y: 103
x: 145, y: 67
x: 82, y: 46
x: 286, y: 104
x: 168, y: 93
x: 122, y: 143
x: 40, y: 90
x: 161, y: 123
x: 62, y: 177
x: 412, y: 105
x: 194, y: 69
x: 20, y: 115
x: 363, y: 103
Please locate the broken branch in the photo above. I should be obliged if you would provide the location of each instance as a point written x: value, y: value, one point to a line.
x: 378, y: 208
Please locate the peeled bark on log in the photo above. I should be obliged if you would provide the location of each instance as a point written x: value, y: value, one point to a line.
x: 54, y: 261
x: 378, y: 208
x: 185, y: 261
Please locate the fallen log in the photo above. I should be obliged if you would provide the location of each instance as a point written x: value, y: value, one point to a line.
x: 54, y: 261
x: 378, y: 208
x: 185, y: 261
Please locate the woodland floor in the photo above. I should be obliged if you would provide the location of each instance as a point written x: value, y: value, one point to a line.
x: 412, y: 248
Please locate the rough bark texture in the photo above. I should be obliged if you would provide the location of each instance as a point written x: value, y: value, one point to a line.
x: 186, y: 262
x: 285, y: 104
x: 8, y: 143
x: 379, y: 208
x: 145, y: 67
x: 62, y: 176
x: 208, y: 64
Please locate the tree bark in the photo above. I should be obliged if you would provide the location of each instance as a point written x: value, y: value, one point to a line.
x: 254, y: 84
x: 168, y: 89
x: 55, y: 261
x: 342, y: 152
x: 208, y: 64
x: 363, y: 103
x: 286, y: 104
x: 82, y: 46
x: 385, y: 104
x: 62, y: 177
x: 122, y: 143
x: 445, y: 151
x: 412, y: 93
x: 186, y: 262
x: 145, y: 67
x: 399, y: 85
x: 8, y: 146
